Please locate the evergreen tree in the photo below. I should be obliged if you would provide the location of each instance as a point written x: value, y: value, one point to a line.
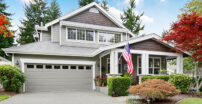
x: 53, y: 11
x: 36, y: 13
x: 131, y: 20
x: 86, y: 2
x: 104, y: 5
x: 3, y: 8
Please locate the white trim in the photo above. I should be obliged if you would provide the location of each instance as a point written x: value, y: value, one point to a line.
x: 51, y: 33
x: 106, y: 43
x: 91, y: 26
x: 44, y: 61
x: 60, y: 35
x: 41, y: 37
x: 153, y: 58
x: 138, y: 65
x: 76, y: 40
x: 13, y: 59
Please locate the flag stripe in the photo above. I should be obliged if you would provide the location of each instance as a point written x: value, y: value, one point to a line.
x: 127, y: 56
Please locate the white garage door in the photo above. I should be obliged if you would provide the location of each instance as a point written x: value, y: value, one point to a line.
x: 44, y: 77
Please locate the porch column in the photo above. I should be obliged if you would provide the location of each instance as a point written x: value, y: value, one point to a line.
x: 179, y: 64
x: 145, y: 63
x: 114, y: 62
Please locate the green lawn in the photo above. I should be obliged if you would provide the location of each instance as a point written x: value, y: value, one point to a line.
x: 3, y: 97
x: 191, y: 101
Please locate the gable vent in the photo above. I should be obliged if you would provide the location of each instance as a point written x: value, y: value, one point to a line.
x: 93, y: 10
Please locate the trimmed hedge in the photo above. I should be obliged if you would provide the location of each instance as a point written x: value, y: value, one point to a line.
x: 118, y: 86
x: 181, y: 82
x: 11, y: 78
x: 165, y: 78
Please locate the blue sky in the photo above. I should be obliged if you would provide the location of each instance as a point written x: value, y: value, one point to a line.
x: 158, y: 14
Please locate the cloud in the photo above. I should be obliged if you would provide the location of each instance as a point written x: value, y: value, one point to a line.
x: 162, y: 0
x: 116, y: 13
x: 127, y: 1
x: 26, y: 1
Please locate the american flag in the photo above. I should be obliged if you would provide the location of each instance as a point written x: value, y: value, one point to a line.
x: 127, y: 56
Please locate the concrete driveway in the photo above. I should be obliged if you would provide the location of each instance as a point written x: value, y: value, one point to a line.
x: 70, y: 97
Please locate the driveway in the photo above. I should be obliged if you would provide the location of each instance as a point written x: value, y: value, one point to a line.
x: 70, y: 97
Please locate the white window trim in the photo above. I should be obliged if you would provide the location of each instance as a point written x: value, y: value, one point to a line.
x: 81, y: 41
x: 108, y: 62
x: 98, y: 37
x: 138, y: 65
x: 154, y: 57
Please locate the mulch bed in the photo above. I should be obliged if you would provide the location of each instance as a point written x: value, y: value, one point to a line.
x: 174, y: 99
x: 2, y: 91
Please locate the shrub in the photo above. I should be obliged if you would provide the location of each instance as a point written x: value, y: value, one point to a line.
x: 154, y: 89
x: 181, y: 82
x: 132, y: 101
x: 117, y: 86
x: 11, y: 78
x: 165, y: 78
x: 132, y: 78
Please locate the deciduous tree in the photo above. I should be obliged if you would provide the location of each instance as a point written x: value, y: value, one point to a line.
x: 186, y: 34
x: 6, y: 37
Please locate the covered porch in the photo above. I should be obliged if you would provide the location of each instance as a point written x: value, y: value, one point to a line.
x: 145, y: 62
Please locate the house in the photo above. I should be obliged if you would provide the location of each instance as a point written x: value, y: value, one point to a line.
x: 75, y: 48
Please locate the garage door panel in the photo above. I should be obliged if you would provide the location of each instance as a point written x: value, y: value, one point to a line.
x: 57, y: 79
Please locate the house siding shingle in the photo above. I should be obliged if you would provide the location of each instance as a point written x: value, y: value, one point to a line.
x: 92, y: 18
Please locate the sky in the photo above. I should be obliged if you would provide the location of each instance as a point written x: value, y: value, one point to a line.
x: 158, y: 14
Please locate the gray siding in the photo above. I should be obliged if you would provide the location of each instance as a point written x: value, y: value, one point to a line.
x: 46, y: 36
x: 55, y: 32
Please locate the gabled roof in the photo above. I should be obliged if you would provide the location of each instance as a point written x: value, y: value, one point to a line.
x: 93, y: 4
x: 136, y: 40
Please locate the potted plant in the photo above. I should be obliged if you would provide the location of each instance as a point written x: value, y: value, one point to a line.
x: 98, y: 81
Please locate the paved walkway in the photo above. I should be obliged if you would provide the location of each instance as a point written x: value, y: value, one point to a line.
x: 74, y: 97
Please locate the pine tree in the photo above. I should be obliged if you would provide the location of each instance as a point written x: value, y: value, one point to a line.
x: 86, y: 2
x: 53, y: 11
x: 104, y: 5
x: 3, y: 8
x: 36, y: 13
x: 131, y: 20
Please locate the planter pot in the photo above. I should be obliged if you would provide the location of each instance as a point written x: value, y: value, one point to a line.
x: 98, y: 83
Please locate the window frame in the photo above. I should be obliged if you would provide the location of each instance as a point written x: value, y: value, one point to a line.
x: 138, y: 64
x: 98, y: 37
x: 153, y: 58
x: 76, y: 40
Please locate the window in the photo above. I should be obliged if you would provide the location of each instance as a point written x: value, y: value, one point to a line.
x: 30, y: 66
x: 73, y: 67
x: 39, y: 66
x: 117, y: 38
x: 71, y: 33
x: 139, y: 65
x: 48, y: 66
x: 89, y: 35
x: 109, y: 37
x: 154, y: 65
x: 108, y: 65
x: 56, y: 66
x: 80, y: 34
x: 65, y: 67
x: 88, y: 67
x: 81, y: 67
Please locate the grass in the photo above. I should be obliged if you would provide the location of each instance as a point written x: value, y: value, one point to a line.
x: 132, y: 101
x: 191, y: 101
x: 3, y: 97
